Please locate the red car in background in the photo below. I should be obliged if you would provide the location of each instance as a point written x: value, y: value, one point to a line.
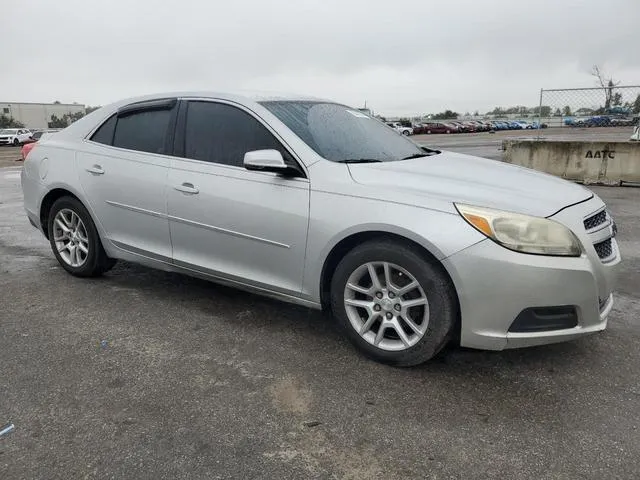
x: 27, y: 147
x: 439, y: 128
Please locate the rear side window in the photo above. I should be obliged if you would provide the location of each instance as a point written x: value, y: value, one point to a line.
x: 104, y: 134
x: 142, y: 130
x: 220, y: 133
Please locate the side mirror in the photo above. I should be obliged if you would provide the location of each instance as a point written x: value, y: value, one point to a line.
x: 265, y: 161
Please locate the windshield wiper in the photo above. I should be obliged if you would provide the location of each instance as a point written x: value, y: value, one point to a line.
x: 420, y: 155
x: 360, y: 160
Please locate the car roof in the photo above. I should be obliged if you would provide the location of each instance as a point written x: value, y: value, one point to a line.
x: 85, y: 125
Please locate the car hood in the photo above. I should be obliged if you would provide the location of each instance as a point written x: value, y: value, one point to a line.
x: 472, y: 180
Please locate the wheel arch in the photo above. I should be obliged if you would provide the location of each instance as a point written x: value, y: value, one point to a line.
x: 47, y: 202
x: 349, y: 242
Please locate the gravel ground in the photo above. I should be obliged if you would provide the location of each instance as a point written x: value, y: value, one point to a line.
x: 144, y: 374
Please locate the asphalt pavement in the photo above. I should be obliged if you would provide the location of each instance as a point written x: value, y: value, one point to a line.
x: 145, y: 374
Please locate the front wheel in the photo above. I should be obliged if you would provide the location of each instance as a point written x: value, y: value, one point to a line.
x: 75, y: 241
x: 395, y: 305
x: 405, y: 133
x: 16, y: 142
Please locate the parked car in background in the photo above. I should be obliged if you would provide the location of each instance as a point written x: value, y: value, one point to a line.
x: 454, y: 128
x: 523, y: 125
x: 598, y: 121
x: 36, y: 137
x: 622, y: 122
x: 536, y: 125
x: 437, y: 127
x: 481, y: 126
x: 14, y: 136
x: 398, y: 127
x: 471, y: 126
x: 462, y: 127
x: 418, y: 128
x: 408, y: 247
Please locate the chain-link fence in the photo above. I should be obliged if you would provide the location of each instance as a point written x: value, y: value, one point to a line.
x: 613, y: 106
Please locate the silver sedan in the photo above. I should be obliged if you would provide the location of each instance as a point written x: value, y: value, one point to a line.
x: 319, y: 204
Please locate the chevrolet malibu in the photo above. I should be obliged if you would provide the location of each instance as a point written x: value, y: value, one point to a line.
x: 319, y: 204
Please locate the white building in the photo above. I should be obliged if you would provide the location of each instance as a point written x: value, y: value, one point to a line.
x: 38, y: 115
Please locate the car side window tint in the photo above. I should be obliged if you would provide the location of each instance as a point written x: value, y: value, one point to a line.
x: 220, y: 133
x: 104, y: 134
x: 142, y: 130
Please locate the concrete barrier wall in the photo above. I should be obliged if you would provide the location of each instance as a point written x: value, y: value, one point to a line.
x: 607, y: 163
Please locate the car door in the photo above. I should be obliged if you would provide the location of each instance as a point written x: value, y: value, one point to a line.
x: 226, y: 221
x: 123, y: 171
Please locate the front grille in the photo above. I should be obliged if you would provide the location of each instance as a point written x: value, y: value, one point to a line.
x: 595, y: 220
x: 604, y: 249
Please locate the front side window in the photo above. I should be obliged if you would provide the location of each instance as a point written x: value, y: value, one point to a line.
x: 221, y: 133
x: 142, y: 130
x: 341, y: 134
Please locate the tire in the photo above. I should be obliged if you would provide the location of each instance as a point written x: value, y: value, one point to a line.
x: 16, y: 142
x: 439, y: 315
x: 429, y: 131
x: 405, y: 133
x: 95, y: 261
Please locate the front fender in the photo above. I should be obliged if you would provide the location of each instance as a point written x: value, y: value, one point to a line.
x: 334, y: 218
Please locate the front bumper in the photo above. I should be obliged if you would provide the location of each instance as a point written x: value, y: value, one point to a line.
x: 495, y: 284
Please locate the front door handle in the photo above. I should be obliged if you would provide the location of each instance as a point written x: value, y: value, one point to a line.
x: 187, y: 187
x: 96, y: 170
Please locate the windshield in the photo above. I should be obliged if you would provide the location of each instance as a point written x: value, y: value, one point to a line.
x: 339, y: 133
x: 37, y: 135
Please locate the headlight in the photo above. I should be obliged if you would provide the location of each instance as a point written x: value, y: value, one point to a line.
x: 522, y: 233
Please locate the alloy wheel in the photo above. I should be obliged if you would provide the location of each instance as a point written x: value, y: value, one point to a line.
x: 386, y: 305
x: 71, y: 238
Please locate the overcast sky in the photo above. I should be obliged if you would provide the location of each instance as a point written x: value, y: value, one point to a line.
x: 402, y: 56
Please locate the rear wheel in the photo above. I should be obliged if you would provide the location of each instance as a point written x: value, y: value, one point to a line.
x: 75, y: 241
x: 396, y: 306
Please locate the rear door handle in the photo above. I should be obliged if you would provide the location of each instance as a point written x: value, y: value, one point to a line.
x: 96, y: 170
x: 187, y: 187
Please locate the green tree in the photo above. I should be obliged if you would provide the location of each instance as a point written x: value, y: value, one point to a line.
x: 636, y: 105
x: 72, y: 117
x: 544, y: 111
x: 447, y: 114
x: 566, y: 111
x: 9, y: 122
x: 616, y: 100
x: 89, y: 109
x: 58, y: 122
x: 66, y: 119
